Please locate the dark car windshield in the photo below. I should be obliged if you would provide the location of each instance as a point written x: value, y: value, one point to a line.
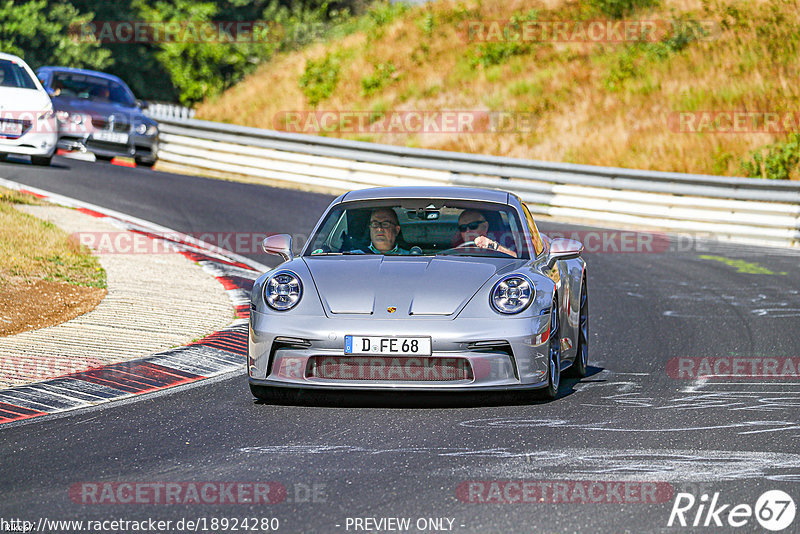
x: 13, y: 74
x: 423, y: 227
x: 91, y: 88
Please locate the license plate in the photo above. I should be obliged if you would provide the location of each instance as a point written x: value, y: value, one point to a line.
x: 409, y: 346
x: 10, y: 128
x: 111, y: 137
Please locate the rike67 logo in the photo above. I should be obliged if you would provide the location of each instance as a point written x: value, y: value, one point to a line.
x: 774, y: 510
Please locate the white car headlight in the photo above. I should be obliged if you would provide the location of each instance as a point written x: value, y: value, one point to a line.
x: 512, y: 294
x: 283, y: 290
x: 142, y: 128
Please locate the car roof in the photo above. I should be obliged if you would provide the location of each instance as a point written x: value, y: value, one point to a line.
x: 87, y: 72
x: 446, y: 192
x: 11, y: 57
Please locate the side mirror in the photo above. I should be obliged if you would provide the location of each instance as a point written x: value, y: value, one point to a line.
x: 280, y: 244
x: 142, y: 104
x: 564, y: 249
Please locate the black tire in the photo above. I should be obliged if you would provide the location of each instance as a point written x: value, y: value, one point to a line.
x: 145, y: 163
x: 3, y: 157
x: 43, y: 161
x: 554, y: 355
x: 578, y: 367
x: 103, y: 158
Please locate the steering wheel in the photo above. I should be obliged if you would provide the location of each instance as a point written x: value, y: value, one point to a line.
x: 466, y: 244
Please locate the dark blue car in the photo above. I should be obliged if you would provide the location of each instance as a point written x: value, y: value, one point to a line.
x: 99, y: 113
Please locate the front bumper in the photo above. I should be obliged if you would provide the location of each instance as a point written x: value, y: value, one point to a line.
x: 141, y: 147
x: 30, y: 144
x: 502, y: 354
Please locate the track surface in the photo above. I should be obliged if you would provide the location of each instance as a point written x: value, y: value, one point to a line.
x: 372, y: 457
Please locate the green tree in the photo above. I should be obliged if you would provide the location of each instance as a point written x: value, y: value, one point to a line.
x: 40, y: 33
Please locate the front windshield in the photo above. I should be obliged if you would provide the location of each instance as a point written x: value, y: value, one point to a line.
x: 13, y: 74
x: 418, y: 227
x: 91, y: 88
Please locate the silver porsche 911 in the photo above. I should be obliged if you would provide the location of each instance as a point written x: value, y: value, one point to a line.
x: 420, y: 288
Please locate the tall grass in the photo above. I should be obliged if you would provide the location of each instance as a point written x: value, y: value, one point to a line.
x: 601, y: 103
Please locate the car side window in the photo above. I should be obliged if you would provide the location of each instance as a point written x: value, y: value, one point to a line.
x: 535, y: 237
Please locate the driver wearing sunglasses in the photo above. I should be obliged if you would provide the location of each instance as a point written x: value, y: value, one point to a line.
x: 474, y: 227
x: 383, y: 230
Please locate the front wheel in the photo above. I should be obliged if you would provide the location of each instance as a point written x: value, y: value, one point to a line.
x: 578, y: 367
x: 554, y: 355
x: 145, y: 162
x: 41, y: 160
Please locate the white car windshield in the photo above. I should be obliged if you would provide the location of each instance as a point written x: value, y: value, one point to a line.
x: 421, y: 227
x: 13, y: 74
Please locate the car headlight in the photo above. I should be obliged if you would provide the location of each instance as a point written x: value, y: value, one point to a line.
x: 143, y: 128
x: 512, y: 294
x: 78, y: 118
x: 283, y: 290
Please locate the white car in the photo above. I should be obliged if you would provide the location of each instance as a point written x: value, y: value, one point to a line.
x: 27, y: 122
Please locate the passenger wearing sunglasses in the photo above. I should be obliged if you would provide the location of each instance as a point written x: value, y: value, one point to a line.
x: 383, y: 230
x: 473, y: 227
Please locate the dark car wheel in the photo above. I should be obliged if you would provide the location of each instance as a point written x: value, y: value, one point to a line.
x: 578, y: 367
x: 41, y: 160
x: 554, y: 362
x: 145, y: 162
x: 103, y: 158
x: 3, y: 157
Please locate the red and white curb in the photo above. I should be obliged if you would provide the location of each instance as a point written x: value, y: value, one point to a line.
x: 219, y: 353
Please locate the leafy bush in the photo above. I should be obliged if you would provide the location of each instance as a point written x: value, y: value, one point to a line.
x: 495, y: 53
x: 620, y: 8
x: 777, y: 161
x: 320, y: 77
x: 628, y: 63
x: 381, y: 76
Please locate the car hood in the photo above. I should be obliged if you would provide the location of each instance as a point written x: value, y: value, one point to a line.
x: 426, y: 286
x: 94, y: 108
x: 24, y: 100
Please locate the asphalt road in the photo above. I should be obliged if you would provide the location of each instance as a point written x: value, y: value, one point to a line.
x: 631, y: 425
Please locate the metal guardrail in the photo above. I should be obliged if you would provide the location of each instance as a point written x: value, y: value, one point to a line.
x: 162, y: 110
x: 741, y: 209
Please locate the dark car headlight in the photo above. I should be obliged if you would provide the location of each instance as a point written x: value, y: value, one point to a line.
x: 283, y: 290
x: 512, y: 294
x: 143, y: 128
x: 75, y: 118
